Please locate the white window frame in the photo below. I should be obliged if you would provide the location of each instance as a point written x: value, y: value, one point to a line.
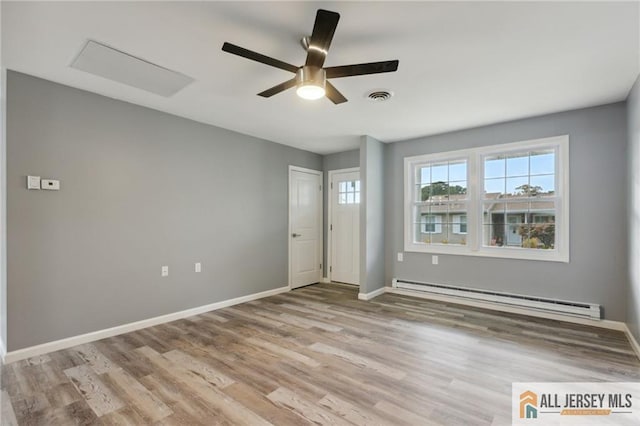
x: 475, y: 186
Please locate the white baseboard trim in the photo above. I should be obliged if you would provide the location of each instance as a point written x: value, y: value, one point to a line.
x: 632, y: 340
x: 371, y: 295
x: 611, y: 325
x: 3, y: 352
x: 133, y: 326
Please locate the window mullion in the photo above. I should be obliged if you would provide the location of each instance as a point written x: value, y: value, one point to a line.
x: 474, y: 226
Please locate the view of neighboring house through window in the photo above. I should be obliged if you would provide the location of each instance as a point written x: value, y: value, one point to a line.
x: 441, y: 201
x: 507, y: 200
x: 460, y: 224
x: 431, y: 224
x: 519, y: 200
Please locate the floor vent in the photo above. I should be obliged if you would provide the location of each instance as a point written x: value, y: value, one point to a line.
x: 576, y: 309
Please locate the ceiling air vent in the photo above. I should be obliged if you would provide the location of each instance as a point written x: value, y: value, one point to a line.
x: 379, y: 95
x: 107, y: 62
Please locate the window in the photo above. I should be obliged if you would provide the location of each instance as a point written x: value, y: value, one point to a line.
x: 519, y: 199
x: 507, y: 200
x: 349, y: 192
x: 460, y: 224
x: 440, y: 195
x: 431, y: 224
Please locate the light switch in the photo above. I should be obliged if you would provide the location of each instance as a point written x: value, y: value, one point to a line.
x: 198, y: 267
x: 400, y: 257
x: 165, y: 271
x: 50, y: 184
x: 33, y: 182
x: 434, y: 259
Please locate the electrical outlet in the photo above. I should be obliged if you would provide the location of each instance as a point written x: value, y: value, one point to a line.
x: 400, y: 257
x: 165, y: 271
x: 198, y: 267
x: 434, y: 259
x: 50, y: 184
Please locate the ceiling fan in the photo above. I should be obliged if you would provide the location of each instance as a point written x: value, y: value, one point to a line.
x: 311, y: 78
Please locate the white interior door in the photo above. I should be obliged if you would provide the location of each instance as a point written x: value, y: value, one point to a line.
x: 305, y: 226
x: 345, y: 227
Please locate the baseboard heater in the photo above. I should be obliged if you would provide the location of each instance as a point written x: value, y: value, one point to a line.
x: 563, y: 307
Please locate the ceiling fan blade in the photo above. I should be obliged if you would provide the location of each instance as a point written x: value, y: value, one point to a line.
x: 323, y: 29
x: 279, y: 88
x: 362, y: 69
x: 254, y: 56
x: 333, y: 94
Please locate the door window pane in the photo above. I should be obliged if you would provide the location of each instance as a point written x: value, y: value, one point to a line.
x: 349, y: 192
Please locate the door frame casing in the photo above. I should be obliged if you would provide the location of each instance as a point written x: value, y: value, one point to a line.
x: 329, y: 212
x: 320, y: 215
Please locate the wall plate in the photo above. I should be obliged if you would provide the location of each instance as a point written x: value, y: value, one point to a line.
x: 50, y: 184
x: 33, y: 182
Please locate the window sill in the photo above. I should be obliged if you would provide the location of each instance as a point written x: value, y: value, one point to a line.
x: 490, y: 252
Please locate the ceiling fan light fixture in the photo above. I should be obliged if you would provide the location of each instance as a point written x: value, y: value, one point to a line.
x: 310, y: 92
x: 310, y: 82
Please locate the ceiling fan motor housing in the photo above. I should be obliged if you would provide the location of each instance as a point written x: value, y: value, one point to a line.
x: 310, y: 76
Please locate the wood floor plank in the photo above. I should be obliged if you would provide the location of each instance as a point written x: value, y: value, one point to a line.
x: 349, y: 412
x: 402, y: 415
x: 284, y: 352
x: 263, y: 406
x: 94, y: 358
x: 187, y: 411
x: 76, y: 413
x: 31, y: 407
x: 359, y: 361
x: 126, y: 416
x: 305, y: 409
x: 208, y: 373
x: 7, y: 415
x: 144, y: 402
x: 98, y: 396
x: 230, y: 408
x: 63, y: 395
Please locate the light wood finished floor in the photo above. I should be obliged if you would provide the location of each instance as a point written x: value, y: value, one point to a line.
x: 316, y: 355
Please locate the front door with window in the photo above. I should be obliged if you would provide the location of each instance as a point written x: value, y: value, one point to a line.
x: 345, y: 227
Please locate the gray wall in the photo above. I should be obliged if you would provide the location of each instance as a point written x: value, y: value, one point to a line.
x: 633, y: 123
x: 372, y: 224
x: 597, y: 272
x: 3, y: 209
x: 336, y: 161
x: 140, y: 189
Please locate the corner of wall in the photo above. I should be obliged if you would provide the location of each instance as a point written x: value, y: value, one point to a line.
x: 633, y: 190
x: 3, y: 206
x: 372, y: 238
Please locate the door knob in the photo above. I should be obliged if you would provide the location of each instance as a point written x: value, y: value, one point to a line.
x: 296, y: 235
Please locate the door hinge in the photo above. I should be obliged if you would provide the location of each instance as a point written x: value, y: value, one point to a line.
x: 330, y: 268
x: 321, y: 266
x: 331, y: 227
x: 331, y: 185
x: 320, y: 187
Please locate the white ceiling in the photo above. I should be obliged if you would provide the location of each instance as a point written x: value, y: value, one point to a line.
x: 461, y: 64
